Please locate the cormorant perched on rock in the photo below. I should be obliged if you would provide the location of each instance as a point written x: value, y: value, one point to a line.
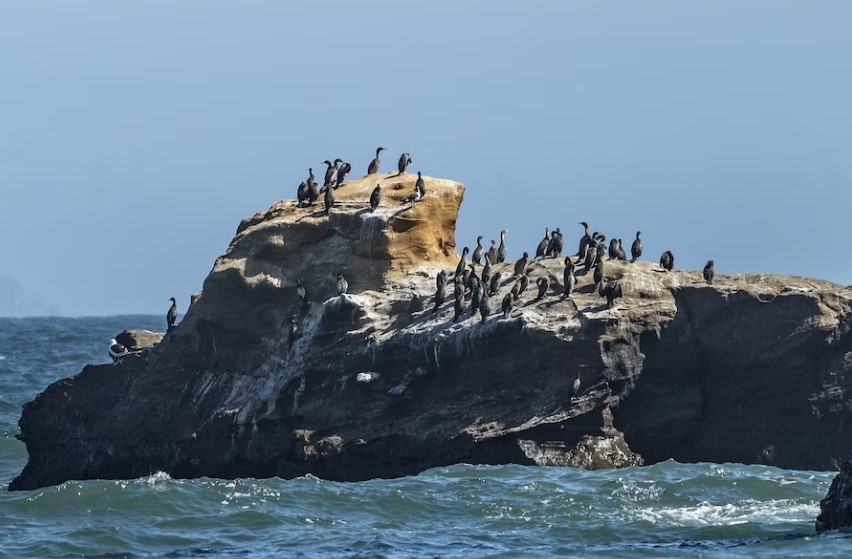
x: 375, y: 198
x: 636, y: 248
x: 171, y: 316
x: 477, y: 252
x: 313, y: 192
x: 441, y: 278
x: 613, y: 249
x: 471, y: 277
x: 557, y: 241
x: 300, y: 291
x: 502, y: 252
x: 492, y: 252
x: 569, y: 280
x: 404, y: 161
x: 331, y: 172
x: 302, y: 193
x: 462, y: 261
x: 329, y: 199
x: 311, y: 180
x: 543, y: 284
x: 667, y: 261
x: 475, y: 295
x: 585, y: 240
x: 342, y: 284
x: 591, y: 256
x: 440, y: 295
x: 116, y: 350
x: 484, y: 306
x: 541, y: 249
x: 709, y: 272
x: 494, y: 284
x: 342, y: 172
x: 507, y: 305
x: 601, y: 253
x: 458, y: 308
x: 599, y: 274
x: 620, y: 254
x: 414, y: 197
x: 374, y: 164
x: 516, y: 288
x: 420, y: 185
x: 523, y: 283
x: 612, y: 291
x: 465, y: 279
x: 521, y: 264
x: 293, y: 334
x: 486, y: 271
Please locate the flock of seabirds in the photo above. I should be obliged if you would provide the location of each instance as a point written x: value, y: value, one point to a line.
x: 476, y: 288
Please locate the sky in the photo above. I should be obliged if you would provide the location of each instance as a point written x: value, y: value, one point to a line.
x: 134, y: 136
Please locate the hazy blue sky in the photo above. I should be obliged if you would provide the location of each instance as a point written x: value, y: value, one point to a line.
x: 135, y: 135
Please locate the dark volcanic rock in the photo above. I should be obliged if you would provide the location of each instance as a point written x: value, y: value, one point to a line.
x: 836, y: 508
x: 751, y: 369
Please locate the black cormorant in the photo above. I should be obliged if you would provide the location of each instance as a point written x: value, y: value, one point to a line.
x: 374, y: 164
x: 484, y: 306
x: 486, y: 270
x: 492, y: 252
x: 441, y: 278
x: 541, y: 249
x: 302, y: 193
x: 329, y: 199
x: 599, y: 274
x: 477, y: 252
x: 404, y: 161
x: 462, y: 261
x: 420, y: 185
x: 636, y: 248
x: 494, y: 284
x: 667, y: 261
x: 569, y: 280
x: 585, y: 240
x: 521, y: 264
x: 557, y: 241
x: 543, y: 284
x: 612, y: 291
x: 613, y: 249
x: 330, y: 172
x: 502, y: 252
x: 709, y: 272
x: 171, y: 316
x: 440, y: 294
x: 507, y: 305
x: 458, y: 308
x: 620, y: 254
x: 342, y: 172
x: 524, y: 283
x: 375, y: 198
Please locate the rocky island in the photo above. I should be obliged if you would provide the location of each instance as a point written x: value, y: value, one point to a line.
x: 751, y: 369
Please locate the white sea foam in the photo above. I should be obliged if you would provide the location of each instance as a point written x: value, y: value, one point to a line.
x: 705, y: 514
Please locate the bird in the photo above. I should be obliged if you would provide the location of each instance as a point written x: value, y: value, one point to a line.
x: 569, y: 280
x: 293, y: 334
x: 374, y: 164
x: 516, y: 288
x: 523, y: 283
x: 462, y: 261
x: 486, y: 270
x: 331, y: 172
x: 494, y: 284
x: 441, y: 278
x: 543, y: 284
x: 636, y: 248
x: 440, y: 295
x: 342, y: 172
x: 484, y: 306
x: 171, y: 316
x: 507, y: 305
x: 302, y: 193
x: 404, y: 161
x: 613, y: 249
x: 612, y: 291
x: 502, y: 252
x: 492, y: 252
x: 342, y: 284
x: 575, y: 387
x: 477, y: 252
x: 375, y: 198
x: 667, y: 261
x: 311, y: 180
x: 591, y: 256
x: 420, y: 185
x: 413, y: 197
x: 300, y: 291
x: 465, y: 279
x: 521, y: 264
x: 329, y: 199
x: 620, y: 255
x: 475, y: 295
x: 313, y: 192
x: 709, y: 272
x: 554, y: 247
x: 599, y: 275
x: 458, y: 308
x: 116, y: 350
x: 541, y: 249
x: 585, y: 240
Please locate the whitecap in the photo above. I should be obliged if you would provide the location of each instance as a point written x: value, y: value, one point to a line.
x: 706, y: 514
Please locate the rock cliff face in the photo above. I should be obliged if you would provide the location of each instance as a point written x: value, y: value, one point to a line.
x: 752, y: 369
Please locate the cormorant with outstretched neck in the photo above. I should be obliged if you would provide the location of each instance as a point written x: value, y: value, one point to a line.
x: 507, y: 304
x: 494, y: 284
x: 612, y: 291
x: 492, y: 252
x: 585, y: 240
x: 543, y: 284
x: 709, y: 272
x: 462, y: 261
x: 569, y: 280
x: 486, y: 270
x: 541, y: 249
x: 342, y: 172
x: 374, y: 164
x: 477, y: 252
x: 502, y: 252
x: 293, y: 334
x: 171, y: 316
x: 331, y: 172
x: 667, y: 261
x: 302, y: 193
x: 484, y: 306
x: 440, y: 294
x: 420, y: 185
x: 599, y: 274
x: 311, y: 180
x: 342, y: 284
x: 522, y: 263
x: 329, y: 199
x: 375, y: 198
x: 636, y: 248
x: 404, y: 161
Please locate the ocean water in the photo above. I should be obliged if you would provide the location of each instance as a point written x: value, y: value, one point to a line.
x: 665, y: 510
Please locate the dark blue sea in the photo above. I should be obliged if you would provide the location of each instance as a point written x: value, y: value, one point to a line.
x: 665, y: 510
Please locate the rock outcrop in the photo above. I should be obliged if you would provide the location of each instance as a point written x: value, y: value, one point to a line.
x: 138, y: 340
x: 752, y: 369
x: 836, y: 509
